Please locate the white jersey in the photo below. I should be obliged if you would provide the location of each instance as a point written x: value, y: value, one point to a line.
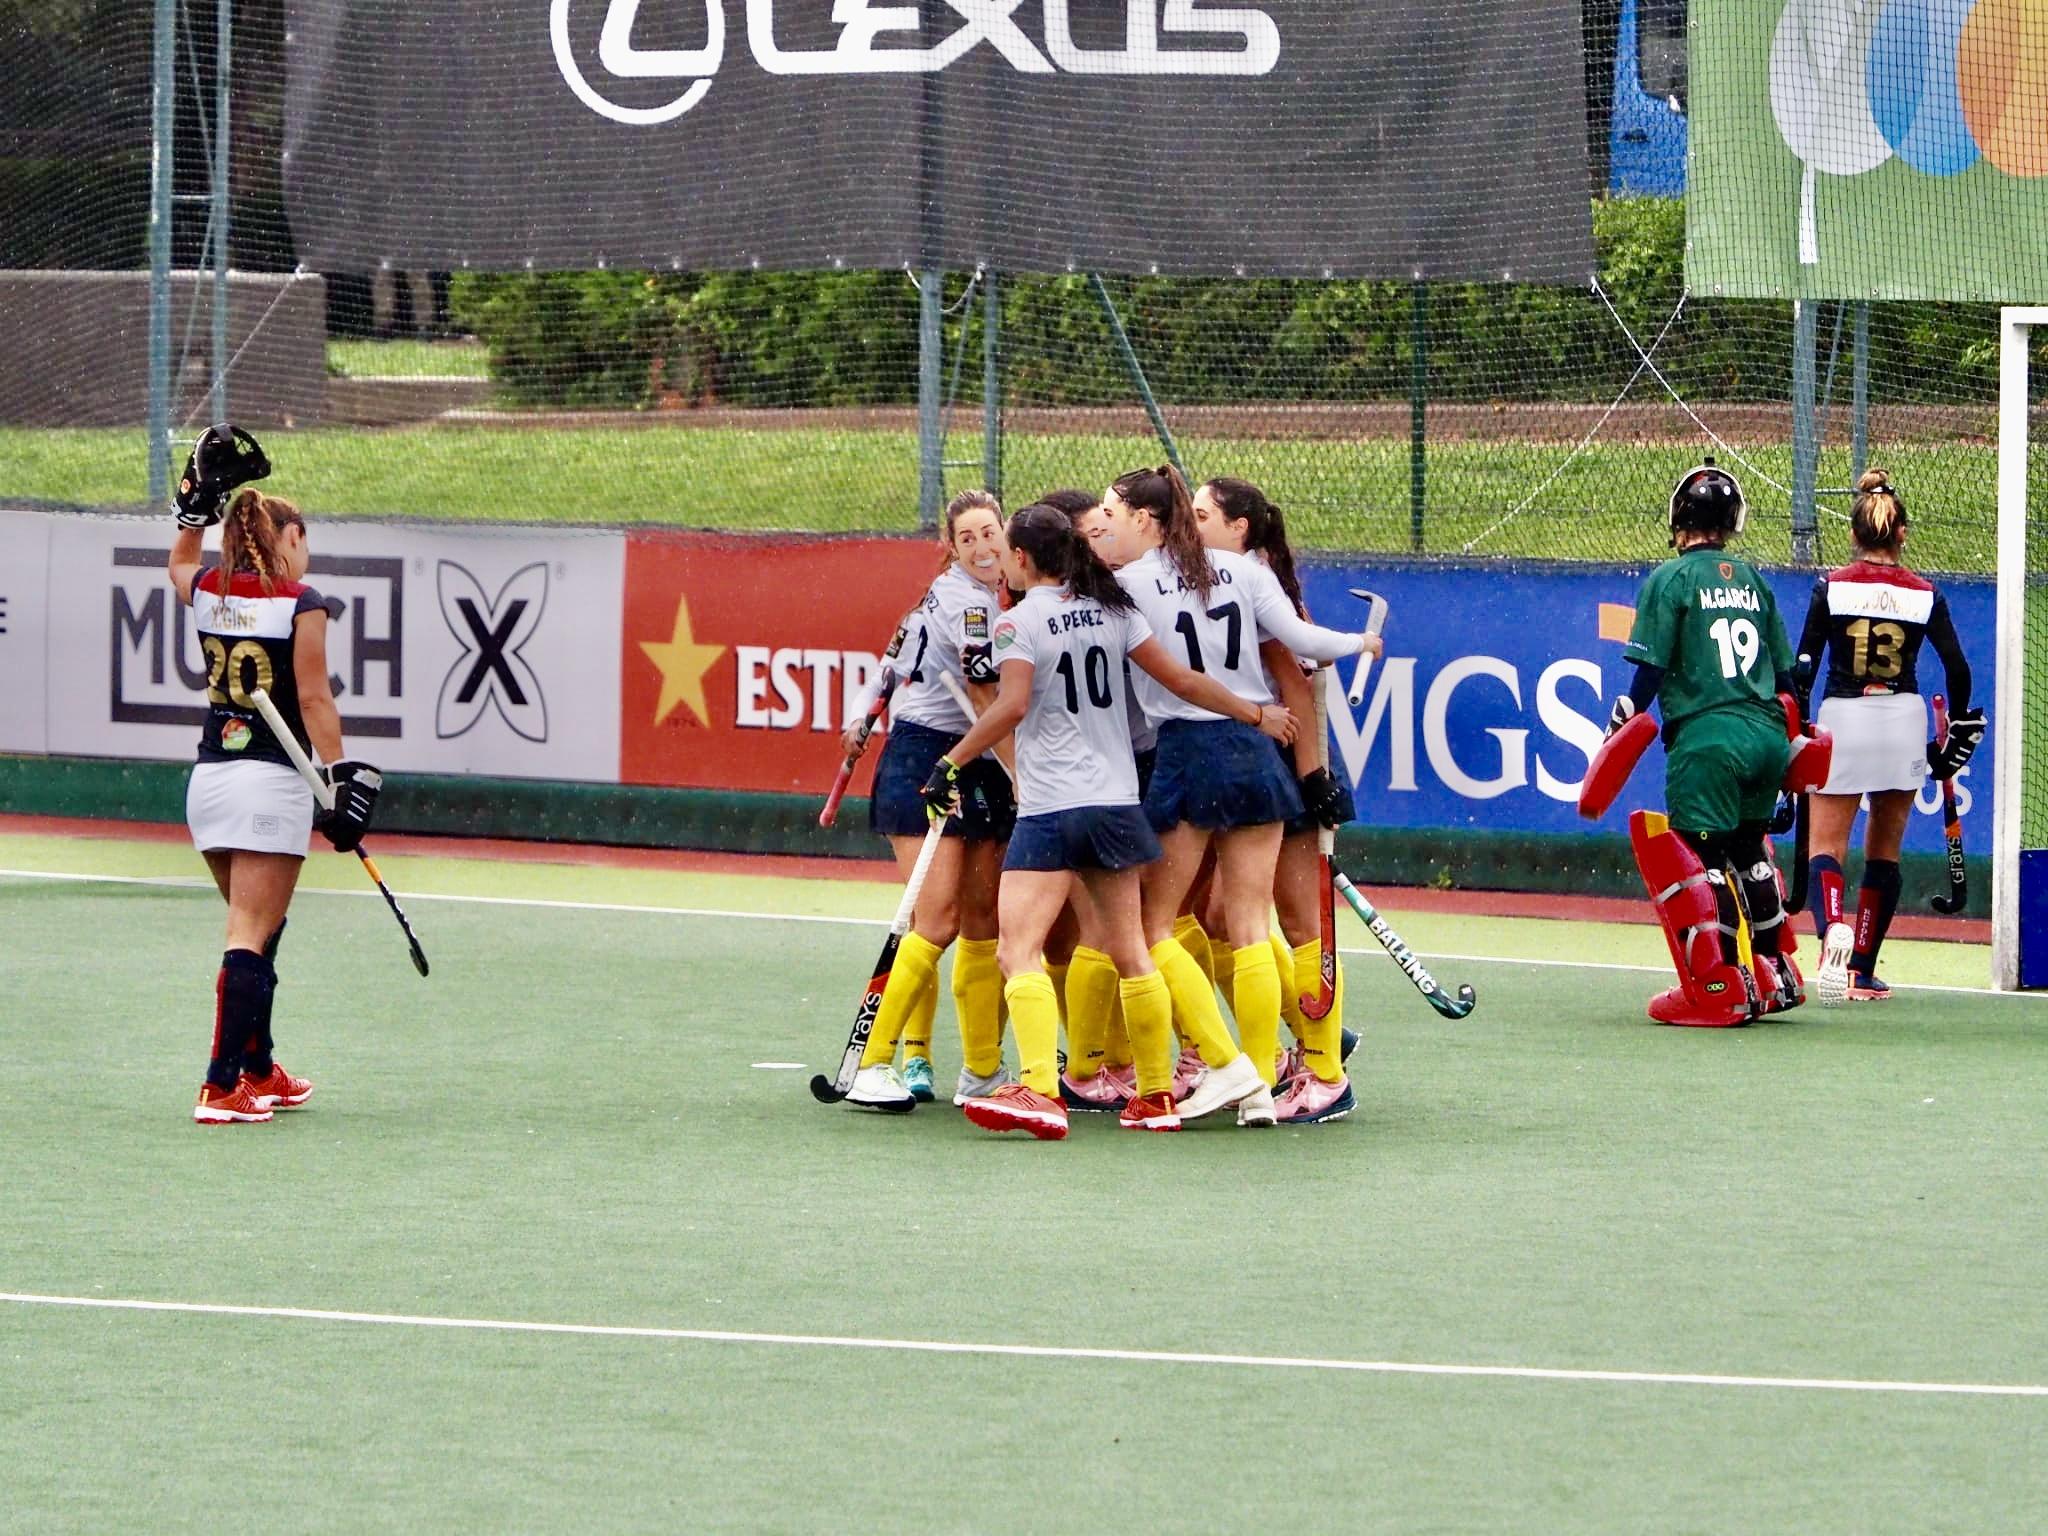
x: 947, y: 634
x: 1074, y: 743
x: 1220, y: 635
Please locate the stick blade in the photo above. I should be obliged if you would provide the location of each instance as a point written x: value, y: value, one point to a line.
x: 824, y: 1090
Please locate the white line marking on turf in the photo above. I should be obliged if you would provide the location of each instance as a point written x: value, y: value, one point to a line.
x: 778, y: 1066
x: 1047, y: 1351
x: 193, y: 883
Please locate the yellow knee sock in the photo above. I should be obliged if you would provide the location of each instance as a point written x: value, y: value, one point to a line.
x: 1194, y: 1004
x: 915, y: 970
x: 1058, y: 975
x: 1091, y: 988
x: 977, y: 999
x: 1035, y: 1021
x: 917, y: 1033
x: 1290, y: 993
x: 1148, y: 1013
x: 1321, y: 1039
x: 1116, y: 1038
x: 1187, y: 928
x: 1258, y: 1007
x: 1223, y: 961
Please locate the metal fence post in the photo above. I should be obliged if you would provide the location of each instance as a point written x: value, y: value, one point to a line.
x: 992, y: 383
x: 1136, y: 369
x: 931, y: 428
x: 1859, y: 386
x: 1418, y: 412
x: 223, y: 50
x: 163, y: 114
x: 1805, y: 448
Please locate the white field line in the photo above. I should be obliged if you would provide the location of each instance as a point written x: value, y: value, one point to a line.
x: 1047, y: 1351
x: 195, y: 883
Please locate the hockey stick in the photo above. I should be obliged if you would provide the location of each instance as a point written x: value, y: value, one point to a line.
x: 1317, y: 1004
x: 1450, y: 1007
x: 1952, y: 827
x: 860, y: 744
x: 1795, y: 899
x: 325, y: 796
x: 830, y: 1090
x: 1375, y: 621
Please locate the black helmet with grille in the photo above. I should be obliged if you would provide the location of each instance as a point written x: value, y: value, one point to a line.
x: 1706, y: 500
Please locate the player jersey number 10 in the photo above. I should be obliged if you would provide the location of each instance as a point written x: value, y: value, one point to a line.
x: 224, y: 666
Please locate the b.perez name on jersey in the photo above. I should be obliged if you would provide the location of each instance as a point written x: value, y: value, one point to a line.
x: 1085, y: 618
x: 1731, y: 597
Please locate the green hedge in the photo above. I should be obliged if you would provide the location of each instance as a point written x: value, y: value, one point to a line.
x: 850, y: 338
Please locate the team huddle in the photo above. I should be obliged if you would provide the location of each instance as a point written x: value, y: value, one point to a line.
x: 1106, y: 781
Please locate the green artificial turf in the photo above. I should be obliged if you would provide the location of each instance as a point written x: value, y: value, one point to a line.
x: 1605, y: 503
x: 405, y: 358
x: 565, y: 1124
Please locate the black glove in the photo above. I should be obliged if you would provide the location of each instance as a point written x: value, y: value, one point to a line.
x: 1624, y: 711
x: 1785, y: 815
x: 978, y: 662
x: 224, y: 458
x: 1965, y: 731
x: 1322, y: 798
x: 355, y: 787
x: 941, y: 792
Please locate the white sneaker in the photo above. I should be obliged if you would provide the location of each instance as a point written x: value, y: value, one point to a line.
x: 881, y: 1087
x: 973, y: 1085
x: 1832, y: 979
x: 1258, y: 1109
x: 1222, y: 1087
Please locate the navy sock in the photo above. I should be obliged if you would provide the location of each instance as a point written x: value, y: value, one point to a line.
x: 1824, y: 883
x: 239, y: 998
x: 1876, y: 901
x: 256, y: 1053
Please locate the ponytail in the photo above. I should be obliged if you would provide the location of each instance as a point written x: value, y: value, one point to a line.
x: 1265, y: 531
x: 251, y: 536
x: 1877, y: 518
x: 1047, y: 536
x: 1163, y: 493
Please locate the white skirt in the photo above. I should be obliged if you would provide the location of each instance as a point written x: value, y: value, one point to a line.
x: 1880, y: 743
x: 253, y: 806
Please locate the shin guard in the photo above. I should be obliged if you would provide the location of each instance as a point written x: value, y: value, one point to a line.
x: 1712, y: 990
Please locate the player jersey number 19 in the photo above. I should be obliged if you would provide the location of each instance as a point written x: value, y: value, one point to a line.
x: 1737, y: 639
x: 1096, y: 668
x: 225, y: 666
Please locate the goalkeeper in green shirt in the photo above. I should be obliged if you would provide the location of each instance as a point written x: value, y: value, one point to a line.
x: 1710, y: 650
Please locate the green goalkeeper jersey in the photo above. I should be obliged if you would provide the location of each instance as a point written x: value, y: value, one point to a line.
x: 1710, y: 621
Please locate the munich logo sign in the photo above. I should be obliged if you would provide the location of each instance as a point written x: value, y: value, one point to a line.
x: 1203, y: 40
x: 490, y: 671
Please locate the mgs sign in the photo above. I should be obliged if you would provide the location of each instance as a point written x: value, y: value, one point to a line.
x: 1161, y: 37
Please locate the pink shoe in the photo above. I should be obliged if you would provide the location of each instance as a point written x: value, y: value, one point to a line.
x: 1186, y: 1071
x: 1101, y: 1093
x: 1288, y: 1066
x: 1309, y: 1099
x: 1125, y: 1078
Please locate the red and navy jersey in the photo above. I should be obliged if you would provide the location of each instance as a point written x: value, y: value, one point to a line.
x: 1871, y: 617
x: 246, y: 636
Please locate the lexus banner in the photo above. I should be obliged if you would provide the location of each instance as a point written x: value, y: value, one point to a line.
x: 1315, y: 138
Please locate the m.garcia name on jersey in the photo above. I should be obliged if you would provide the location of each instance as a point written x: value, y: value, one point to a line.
x: 1731, y: 597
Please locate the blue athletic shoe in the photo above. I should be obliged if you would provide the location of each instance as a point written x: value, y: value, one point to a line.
x: 917, y: 1077
x: 1350, y: 1045
x: 1864, y: 987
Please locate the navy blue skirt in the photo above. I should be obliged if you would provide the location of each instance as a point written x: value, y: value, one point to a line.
x: 988, y: 806
x: 1347, y: 808
x: 1088, y: 837
x: 1217, y: 775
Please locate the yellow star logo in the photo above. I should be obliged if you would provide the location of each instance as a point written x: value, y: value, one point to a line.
x: 683, y: 663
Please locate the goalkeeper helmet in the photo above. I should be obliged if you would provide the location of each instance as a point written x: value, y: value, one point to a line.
x: 1706, y: 500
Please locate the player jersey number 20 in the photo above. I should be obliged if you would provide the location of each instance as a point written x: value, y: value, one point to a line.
x: 1738, y: 642
x: 224, y: 670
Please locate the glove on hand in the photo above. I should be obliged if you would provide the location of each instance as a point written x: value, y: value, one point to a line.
x: 1319, y: 793
x: 356, y: 786
x: 224, y: 458
x: 1965, y: 731
x: 941, y: 792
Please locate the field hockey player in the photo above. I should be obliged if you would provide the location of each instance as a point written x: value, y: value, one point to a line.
x: 1872, y: 615
x: 250, y: 813
x: 1080, y: 832
x: 949, y: 633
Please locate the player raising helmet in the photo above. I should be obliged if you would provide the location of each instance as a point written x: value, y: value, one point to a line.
x: 1710, y: 651
x: 1079, y: 833
x: 1871, y: 615
x: 946, y: 638
x: 260, y: 627
x: 1214, y: 780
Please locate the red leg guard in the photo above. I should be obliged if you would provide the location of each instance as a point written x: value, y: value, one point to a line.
x: 1712, y: 993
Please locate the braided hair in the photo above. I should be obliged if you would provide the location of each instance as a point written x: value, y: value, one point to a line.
x: 252, y: 536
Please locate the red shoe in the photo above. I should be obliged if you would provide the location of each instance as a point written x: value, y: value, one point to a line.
x: 1013, y: 1107
x: 1156, y: 1113
x: 280, y: 1090
x: 229, y: 1106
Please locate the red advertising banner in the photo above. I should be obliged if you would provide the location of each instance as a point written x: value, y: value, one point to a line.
x: 741, y: 656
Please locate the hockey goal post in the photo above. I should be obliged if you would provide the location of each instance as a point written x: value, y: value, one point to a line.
x: 2019, y: 882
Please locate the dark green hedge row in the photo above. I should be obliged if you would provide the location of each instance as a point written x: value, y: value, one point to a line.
x: 623, y: 338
